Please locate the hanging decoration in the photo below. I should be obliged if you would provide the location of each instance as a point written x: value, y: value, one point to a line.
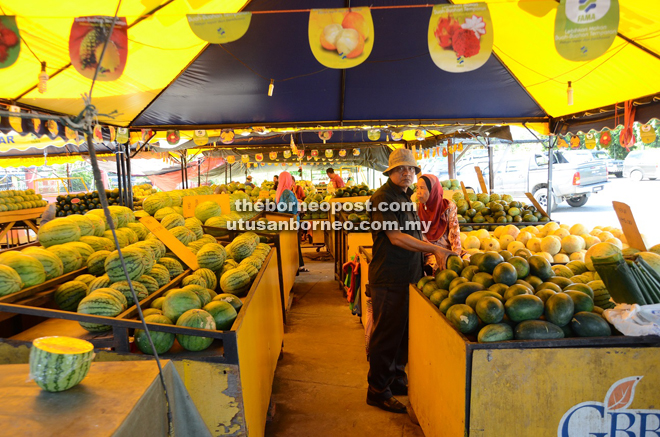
x: 460, y: 146
x: 231, y: 159
x: 11, y: 41
x: 561, y: 143
x: 294, y: 149
x: 284, y: 164
x: 435, y: 152
x: 200, y: 137
x: 315, y: 153
x: 37, y: 125
x: 219, y: 28
x: 263, y: 164
x: 342, y: 153
x: 98, y: 134
x: 173, y: 137
x: 301, y: 154
x: 259, y: 157
x: 122, y: 135
x: 585, y: 30
x: 647, y: 133
x: 451, y: 148
x: 444, y: 152
x: 145, y: 134
x: 86, y: 43
x: 309, y: 157
x: 287, y: 154
x: 70, y: 134
x: 605, y: 138
x: 325, y: 135
x: 373, y: 134
x: 627, y: 135
x: 53, y: 130
x: 356, y: 152
x: 575, y: 142
x: 16, y: 123
x: 245, y: 159
x: 329, y: 153
x: 460, y: 37
x: 397, y: 136
x: 590, y: 140
x: 420, y: 134
x: 227, y: 136
x: 290, y: 164
x: 113, y: 133
x: 341, y: 38
x: 272, y: 156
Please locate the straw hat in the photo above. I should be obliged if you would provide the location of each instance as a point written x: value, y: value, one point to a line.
x: 402, y: 157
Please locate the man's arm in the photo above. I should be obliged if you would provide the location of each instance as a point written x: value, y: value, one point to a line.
x: 412, y: 244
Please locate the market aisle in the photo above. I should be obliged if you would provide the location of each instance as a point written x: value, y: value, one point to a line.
x: 320, y: 385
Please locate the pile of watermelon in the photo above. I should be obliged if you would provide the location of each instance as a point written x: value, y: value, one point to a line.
x: 520, y: 297
x: 14, y: 200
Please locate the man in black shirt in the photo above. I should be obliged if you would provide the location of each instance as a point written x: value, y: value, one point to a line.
x: 397, y: 261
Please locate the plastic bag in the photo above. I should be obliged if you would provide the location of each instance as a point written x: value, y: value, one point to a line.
x: 635, y: 320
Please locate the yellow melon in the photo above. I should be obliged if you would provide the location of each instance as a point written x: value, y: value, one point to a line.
x: 524, y: 237
x: 512, y: 230
x: 577, y: 256
x: 590, y: 240
x: 532, y: 230
x: 550, y: 227
x: 599, y: 249
x: 534, y: 244
x: 490, y: 244
x: 561, y: 258
x: 565, y: 226
x: 572, y: 243
x: 551, y: 245
x: 482, y: 234
x: 605, y: 235
x: 471, y: 243
x: 515, y: 246
x: 561, y: 233
x: 617, y: 233
x: 578, y: 229
x: 595, y: 232
x: 545, y: 255
x: 616, y: 242
x: 505, y: 240
x: 497, y: 233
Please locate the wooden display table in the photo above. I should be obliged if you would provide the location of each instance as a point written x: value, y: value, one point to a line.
x: 28, y: 217
x: 115, y: 399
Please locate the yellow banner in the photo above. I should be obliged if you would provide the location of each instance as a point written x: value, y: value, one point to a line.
x: 14, y: 141
x: 219, y: 28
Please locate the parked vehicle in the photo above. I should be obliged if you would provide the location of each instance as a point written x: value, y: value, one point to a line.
x: 576, y: 175
x: 614, y: 166
x: 641, y: 164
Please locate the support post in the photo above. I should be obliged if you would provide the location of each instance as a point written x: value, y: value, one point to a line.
x: 119, y: 166
x: 450, y: 161
x: 129, y: 182
x: 199, y: 173
x: 551, y: 153
x: 491, y: 172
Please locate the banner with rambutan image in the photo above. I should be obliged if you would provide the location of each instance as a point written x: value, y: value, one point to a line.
x: 460, y: 36
x: 10, y: 41
x: 86, y: 41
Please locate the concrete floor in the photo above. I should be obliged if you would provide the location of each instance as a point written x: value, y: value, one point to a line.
x: 320, y: 385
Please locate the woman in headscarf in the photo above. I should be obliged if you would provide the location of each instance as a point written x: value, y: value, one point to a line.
x: 441, y: 216
x: 288, y: 204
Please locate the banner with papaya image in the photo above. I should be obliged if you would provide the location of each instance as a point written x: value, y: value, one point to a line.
x: 585, y: 29
x: 460, y: 37
x: 10, y: 41
x: 86, y: 41
x: 341, y: 38
x: 219, y: 28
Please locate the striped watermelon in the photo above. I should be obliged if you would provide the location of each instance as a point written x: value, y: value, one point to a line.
x: 151, y: 247
x: 254, y: 260
x: 130, y: 235
x: 158, y: 303
x: 194, y: 246
x: 183, y: 234
x: 115, y: 293
x: 155, y: 202
x: 141, y: 214
x: 163, y: 341
x: 101, y: 214
x: 201, y: 291
x: 211, y: 256
x: 68, y: 295
x: 60, y: 363
x: 227, y: 265
x: 29, y: 269
x: 178, y: 302
x: 206, y: 210
x: 96, y: 262
x: 240, y: 249
x: 219, y: 225
x: 85, y: 224
x: 121, y: 238
x: 172, y: 220
x: 160, y: 274
x: 223, y: 314
x: 208, y: 238
x: 101, y: 282
x: 231, y: 299
x: 195, y: 226
x: 58, y: 231
x: 250, y: 237
x: 125, y: 289
x: 140, y: 230
x: 149, y: 283
x: 177, y: 198
x: 123, y: 214
x: 250, y: 269
x: 163, y: 212
x: 134, y: 261
x: 98, y: 222
x: 52, y: 264
x: 86, y: 279
x: 152, y: 311
x: 99, y: 243
x: 195, y: 280
x: 173, y: 266
x: 209, y: 277
x: 195, y: 318
x: 70, y: 257
x: 99, y: 303
x: 85, y: 250
x: 10, y: 281
x: 235, y: 281
x: 147, y: 254
x: 178, y: 210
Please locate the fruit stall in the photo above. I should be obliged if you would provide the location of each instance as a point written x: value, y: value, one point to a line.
x: 11, y: 220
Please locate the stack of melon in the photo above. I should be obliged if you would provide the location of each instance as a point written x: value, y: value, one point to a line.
x: 13, y: 200
x: 518, y: 297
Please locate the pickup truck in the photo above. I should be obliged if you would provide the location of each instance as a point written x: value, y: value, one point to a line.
x: 614, y: 166
x: 575, y: 176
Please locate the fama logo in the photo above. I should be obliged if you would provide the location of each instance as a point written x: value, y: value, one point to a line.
x: 586, y: 11
x: 611, y: 418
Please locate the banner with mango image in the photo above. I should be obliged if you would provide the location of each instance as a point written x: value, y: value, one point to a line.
x: 86, y: 41
x: 341, y: 38
x: 460, y: 37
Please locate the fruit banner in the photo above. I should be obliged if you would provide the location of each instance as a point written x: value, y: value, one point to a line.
x: 341, y: 38
x: 219, y: 28
x: 585, y: 29
x: 10, y: 41
x: 88, y: 35
x: 590, y: 140
x: 460, y: 36
x: 647, y: 133
x: 122, y: 135
x: 16, y: 123
x: 200, y: 137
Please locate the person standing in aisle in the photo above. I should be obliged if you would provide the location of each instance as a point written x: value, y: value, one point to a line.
x: 287, y: 203
x: 248, y: 182
x: 335, y: 179
x: 276, y: 180
x: 298, y: 190
x: 397, y: 262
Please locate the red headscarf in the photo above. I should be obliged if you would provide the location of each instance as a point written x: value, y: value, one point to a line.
x: 434, y: 209
x: 285, y: 182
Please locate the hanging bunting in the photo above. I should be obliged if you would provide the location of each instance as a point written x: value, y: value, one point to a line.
x: 342, y: 153
x: 291, y: 164
x: 356, y: 152
x: 287, y: 154
x: 460, y: 146
x: 397, y: 136
x: 605, y: 138
x: 259, y: 157
x: 647, y: 133
x: 451, y: 149
x: 561, y: 143
x: 575, y: 142
x: 113, y: 133
x: 98, y: 134
x: 329, y: 153
x: 245, y: 159
x: 435, y: 152
x: 315, y: 153
x: 227, y: 136
x: 37, y: 125
x: 341, y: 38
x: 145, y: 134
x: 590, y: 140
x: 231, y: 159
x: 16, y: 123
x: 272, y: 156
x: 325, y: 135
x: 263, y: 164
x: 373, y: 134
x: 585, y: 29
x: 270, y: 163
x: 219, y: 28
x: 309, y: 157
x: 200, y: 137
x: 122, y: 135
x: 86, y: 43
x: 460, y: 37
x: 284, y: 164
x: 294, y: 149
x: 53, y: 130
x: 301, y: 154
x: 173, y: 137
x: 420, y: 134
x: 70, y: 134
x: 11, y: 41
x: 444, y: 152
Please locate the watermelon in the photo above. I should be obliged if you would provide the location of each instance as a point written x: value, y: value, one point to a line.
x: 123, y: 214
x: 150, y: 246
x: 183, y: 234
x: 194, y: 246
x: 60, y: 363
x: 163, y: 341
x: 209, y: 277
x: 255, y: 261
x: 96, y: 262
x: 84, y: 223
x: 195, y: 318
x: 223, y: 314
x: 176, y: 197
x: 235, y: 281
x: 58, y: 231
x: 240, y: 250
x: 71, y: 259
x: 68, y: 295
x: 130, y: 235
x: 228, y: 265
x: 113, y: 292
x: 249, y: 269
x: 172, y: 221
x: 206, y: 210
x: 29, y: 269
x: 219, y: 225
x: 211, y: 256
x: 149, y: 283
x: 140, y: 230
x: 121, y: 238
x: 158, y: 303
x: 194, y: 280
x: 149, y: 259
x: 173, y: 266
x: 125, y: 289
x: 164, y: 212
x: 207, y: 238
x: 157, y: 201
x: 150, y: 311
x: 101, y: 214
x: 134, y: 261
x: 231, y: 299
x: 101, y: 282
x: 86, y: 279
x: 160, y: 274
x: 196, y: 227
x: 52, y: 264
x: 10, y: 280
x: 98, y: 222
x: 99, y: 243
x: 85, y: 250
x: 203, y: 293
x: 99, y: 304
x: 178, y: 302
